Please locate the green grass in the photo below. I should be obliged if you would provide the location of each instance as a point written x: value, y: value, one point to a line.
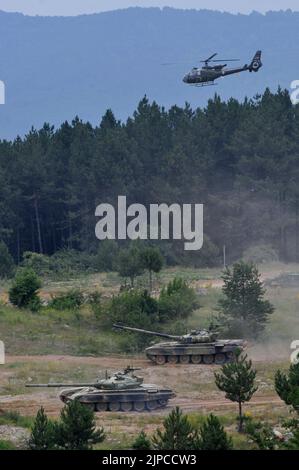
x: 6, y: 445
x: 15, y: 419
x: 81, y: 333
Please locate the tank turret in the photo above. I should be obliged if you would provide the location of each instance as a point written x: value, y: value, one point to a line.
x: 193, y: 337
x: 198, y: 346
x: 119, y: 381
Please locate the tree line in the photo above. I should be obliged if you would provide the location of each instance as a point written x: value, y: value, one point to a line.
x: 240, y: 159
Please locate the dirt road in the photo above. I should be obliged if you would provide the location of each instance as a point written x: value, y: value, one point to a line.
x: 193, y: 384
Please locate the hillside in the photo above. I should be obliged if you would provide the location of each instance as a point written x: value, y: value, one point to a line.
x: 58, y: 67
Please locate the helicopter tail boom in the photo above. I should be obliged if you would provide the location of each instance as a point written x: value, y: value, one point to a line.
x: 256, y: 62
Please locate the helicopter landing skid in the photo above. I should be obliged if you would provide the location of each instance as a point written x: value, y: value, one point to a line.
x: 201, y: 85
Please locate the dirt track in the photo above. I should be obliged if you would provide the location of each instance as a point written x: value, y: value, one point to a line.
x: 192, y: 384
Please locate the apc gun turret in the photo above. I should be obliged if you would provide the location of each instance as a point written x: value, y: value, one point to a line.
x: 122, y: 391
x: 195, y: 347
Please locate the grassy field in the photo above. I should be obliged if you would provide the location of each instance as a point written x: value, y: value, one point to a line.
x: 81, y: 349
x: 80, y: 333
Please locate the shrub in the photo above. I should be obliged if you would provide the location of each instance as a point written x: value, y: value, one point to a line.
x: 178, y: 433
x: 77, y: 428
x: 177, y: 301
x: 68, y: 300
x: 142, y: 442
x: 23, y: 291
x: 72, y: 262
x: 94, y: 299
x: 212, y: 435
x: 106, y: 256
x: 43, y: 433
x: 262, y: 434
x: 40, y: 264
x: 134, y: 307
x: 129, y: 264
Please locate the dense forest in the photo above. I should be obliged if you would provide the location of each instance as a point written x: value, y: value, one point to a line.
x: 240, y: 159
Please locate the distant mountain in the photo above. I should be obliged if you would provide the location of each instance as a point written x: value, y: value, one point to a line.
x: 56, y: 67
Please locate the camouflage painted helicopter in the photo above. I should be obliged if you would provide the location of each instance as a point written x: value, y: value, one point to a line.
x: 206, y: 75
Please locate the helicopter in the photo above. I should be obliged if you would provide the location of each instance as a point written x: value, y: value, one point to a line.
x: 206, y: 75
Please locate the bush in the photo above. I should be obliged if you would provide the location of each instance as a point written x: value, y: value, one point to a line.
x: 43, y: 433
x: 261, y: 434
x: 212, y: 435
x: 77, y: 428
x: 142, y: 442
x: 135, y: 307
x: 23, y: 291
x: 72, y: 262
x: 106, y: 256
x: 40, y: 264
x: 64, y: 263
x: 68, y: 300
x: 7, y: 265
x: 94, y: 299
x: 129, y: 264
x: 178, y: 433
x: 177, y: 301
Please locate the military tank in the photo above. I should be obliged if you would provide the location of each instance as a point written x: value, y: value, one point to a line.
x: 122, y: 391
x: 196, y: 347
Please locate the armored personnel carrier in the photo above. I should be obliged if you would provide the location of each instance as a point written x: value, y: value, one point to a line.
x: 198, y: 346
x: 123, y: 391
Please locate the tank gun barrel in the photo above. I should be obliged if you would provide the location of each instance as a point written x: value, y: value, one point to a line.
x: 59, y: 385
x: 146, y: 332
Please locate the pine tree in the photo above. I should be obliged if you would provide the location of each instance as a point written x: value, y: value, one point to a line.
x: 77, y: 427
x: 243, y: 305
x: 142, y: 442
x: 129, y: 264
x: 6, y: 261
x: 212, y: 435
x: 43, y: 435
x: 287, y: 386
x: 237, y: 380
x: 152, y: 261
x: 178, y: 433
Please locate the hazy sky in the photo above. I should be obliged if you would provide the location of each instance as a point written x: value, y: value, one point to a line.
x: 76, y: 7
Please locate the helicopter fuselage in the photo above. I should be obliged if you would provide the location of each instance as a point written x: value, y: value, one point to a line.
x: 207, y: 74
